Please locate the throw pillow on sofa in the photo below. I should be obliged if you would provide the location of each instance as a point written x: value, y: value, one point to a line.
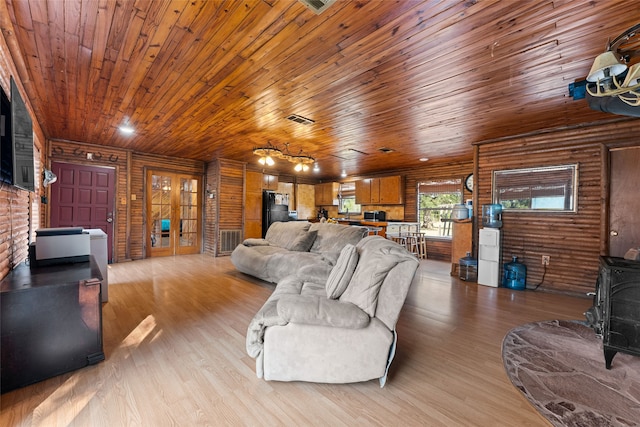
x: 342, y: 272
x: 282, y: 233
x: 303, y: 242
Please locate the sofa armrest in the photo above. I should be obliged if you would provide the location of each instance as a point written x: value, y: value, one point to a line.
x: 255, y: 242
x: 320, y: 310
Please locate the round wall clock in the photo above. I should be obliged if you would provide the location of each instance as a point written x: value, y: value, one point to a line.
x: 468, y: 182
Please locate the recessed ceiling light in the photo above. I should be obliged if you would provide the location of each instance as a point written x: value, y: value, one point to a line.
x: 126, y: 129
x: 424, y: 159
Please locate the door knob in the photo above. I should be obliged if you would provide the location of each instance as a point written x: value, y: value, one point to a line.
x: 109, y: 219
x: 613, y: 233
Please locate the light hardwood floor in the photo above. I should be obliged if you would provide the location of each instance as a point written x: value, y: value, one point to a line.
x: 174, y: 337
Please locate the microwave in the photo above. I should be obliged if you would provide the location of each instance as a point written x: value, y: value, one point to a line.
x: 375, y: 216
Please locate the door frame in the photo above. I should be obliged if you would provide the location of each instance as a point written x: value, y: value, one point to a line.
x: 606, y: 230
x: 113, y: 256
x: 148, y: 172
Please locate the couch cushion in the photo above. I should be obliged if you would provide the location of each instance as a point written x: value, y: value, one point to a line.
x: 254, y: 260
x: 303, y: 242
x: 365, y: 284
x: 286, y: 263
x: 343, y: 270
x: 318, y: 310
x: 333, y: 237
x: 283, y: 233
x: 377, y: 257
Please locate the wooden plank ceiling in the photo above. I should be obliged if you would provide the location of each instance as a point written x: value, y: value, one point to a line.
x: 208, y: 79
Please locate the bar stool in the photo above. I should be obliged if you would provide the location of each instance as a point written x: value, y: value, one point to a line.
x: 412, y: 244
x: 373, y: 231
x: 421, y: 244
x: 398, y: 238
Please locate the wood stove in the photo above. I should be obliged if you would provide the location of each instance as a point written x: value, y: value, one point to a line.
x: 615, y: 315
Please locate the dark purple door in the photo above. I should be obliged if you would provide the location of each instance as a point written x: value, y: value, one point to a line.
x: 83, y: 196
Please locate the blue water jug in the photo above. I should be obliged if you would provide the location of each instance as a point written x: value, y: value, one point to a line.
x: 468, y: 268
x: 492, y: 215
x: 515, y: 275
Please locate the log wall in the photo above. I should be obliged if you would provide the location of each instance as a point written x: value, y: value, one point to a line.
x: 438, y: 249
x: 139, y: 165
x: 20, y: 210
x: 574, y: 241
x: 210, y: 210
x: 71, y: 152
x: 129, y: 215
x: 227, y: 177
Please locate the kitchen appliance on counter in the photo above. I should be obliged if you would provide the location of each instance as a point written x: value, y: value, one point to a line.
x: 375, y: 216
x: 275, y: 207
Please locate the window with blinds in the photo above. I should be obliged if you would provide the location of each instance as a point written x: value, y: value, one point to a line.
x: 550, y: 189
x: 347, y: 199
x: 436, y: 199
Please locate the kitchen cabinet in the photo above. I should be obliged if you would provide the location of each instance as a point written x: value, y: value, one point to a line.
x: 460, y: 242
x: 269, y: 182
x: 388, y: 190
x: 253, y: 204
x: 391, y: 190
x: 326, y: 193
x: 363, y: 191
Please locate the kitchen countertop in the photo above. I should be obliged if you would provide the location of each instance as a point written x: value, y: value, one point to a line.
x: 372, y: 223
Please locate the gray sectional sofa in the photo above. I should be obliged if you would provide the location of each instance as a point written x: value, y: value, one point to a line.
x: 295, y: 247
x: 332, y: 315
x: 336, y: 330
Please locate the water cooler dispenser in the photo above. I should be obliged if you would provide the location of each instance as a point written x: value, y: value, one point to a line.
x: 492, y: 215
x: 489, y: 246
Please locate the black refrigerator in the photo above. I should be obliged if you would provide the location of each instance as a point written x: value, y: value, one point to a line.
x: 275, y: 207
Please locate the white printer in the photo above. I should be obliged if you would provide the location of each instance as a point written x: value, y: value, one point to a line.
x: 59, y: 246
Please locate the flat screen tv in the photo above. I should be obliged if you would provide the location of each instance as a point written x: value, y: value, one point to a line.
x: 6, y: 151
x: 22, y: 142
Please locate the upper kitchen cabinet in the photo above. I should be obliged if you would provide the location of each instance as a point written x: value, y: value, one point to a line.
x: 269, y: 182
x: 388, y: 190
x: 367, y: 191
x: 391, y: 190
x: 326, y: 193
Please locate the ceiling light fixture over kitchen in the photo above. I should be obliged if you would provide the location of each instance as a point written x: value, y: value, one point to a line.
x: 268, y: 153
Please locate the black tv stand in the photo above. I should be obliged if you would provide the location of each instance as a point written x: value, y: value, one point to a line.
x: 51, y: 322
